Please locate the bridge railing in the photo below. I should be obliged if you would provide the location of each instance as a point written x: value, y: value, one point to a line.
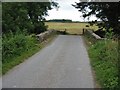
x: 42, y: 36
x: 90, y: 32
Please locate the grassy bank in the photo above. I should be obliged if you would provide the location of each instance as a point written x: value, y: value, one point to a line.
x: 104, y: 60
x: 71, y: 28
x: 18, y: 48
x: 0, y: 55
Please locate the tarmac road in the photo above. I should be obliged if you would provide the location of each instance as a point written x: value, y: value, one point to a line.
x: 62, y: 64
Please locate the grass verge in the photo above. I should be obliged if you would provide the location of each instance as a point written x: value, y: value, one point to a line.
x: 11, y: 62
x: 0, y: 55
x: 104, y: 60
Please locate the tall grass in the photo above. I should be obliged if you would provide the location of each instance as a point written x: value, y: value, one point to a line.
x: 15, y: 45
x: 18, y: 47
x: 104, y: 60
x: 0, y: 55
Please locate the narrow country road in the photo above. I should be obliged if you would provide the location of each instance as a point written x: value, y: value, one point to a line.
x: 62, y: 64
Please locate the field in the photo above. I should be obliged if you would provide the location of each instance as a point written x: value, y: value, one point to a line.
x: 71, y: 28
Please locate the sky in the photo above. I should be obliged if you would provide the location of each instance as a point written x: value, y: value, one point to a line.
x: 67, y: 11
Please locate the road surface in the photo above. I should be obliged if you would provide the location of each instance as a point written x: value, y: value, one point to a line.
x: 62, y: 64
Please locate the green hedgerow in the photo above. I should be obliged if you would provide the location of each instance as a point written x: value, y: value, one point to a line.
x: 104, y: 59
x: 14, y: 45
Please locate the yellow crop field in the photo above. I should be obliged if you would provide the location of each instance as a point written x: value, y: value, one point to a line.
x: 72, y: 28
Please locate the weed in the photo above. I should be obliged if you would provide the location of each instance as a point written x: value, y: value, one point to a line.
x: 104, y: 60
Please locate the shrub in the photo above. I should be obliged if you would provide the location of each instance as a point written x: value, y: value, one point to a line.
x: 14, y: 45
x: 104, y: 59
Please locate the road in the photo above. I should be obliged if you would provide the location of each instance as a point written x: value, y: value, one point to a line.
x: 62, y: 64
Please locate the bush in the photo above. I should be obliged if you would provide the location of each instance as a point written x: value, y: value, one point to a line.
x: 39, y: 28
x: 14, y: 45
x: 104, y: 59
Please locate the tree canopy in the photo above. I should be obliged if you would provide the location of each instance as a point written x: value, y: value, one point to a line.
x: 107, y: 12
x: 25, y: 16
x: 60, y: 20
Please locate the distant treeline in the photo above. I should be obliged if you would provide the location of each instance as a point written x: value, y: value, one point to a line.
x: 59, y: 20
x: 67, y: 20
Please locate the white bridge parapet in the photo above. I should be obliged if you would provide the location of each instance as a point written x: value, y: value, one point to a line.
x: 42, y: 36
x: 94, y: 35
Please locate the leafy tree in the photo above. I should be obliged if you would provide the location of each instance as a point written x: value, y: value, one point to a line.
x: 60, y: 20
x: 0, y: 18
x: 25, y: 16
x: 13, y: 17
x: 108, y: 12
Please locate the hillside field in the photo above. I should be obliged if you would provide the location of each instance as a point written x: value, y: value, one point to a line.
x: 71, y: 28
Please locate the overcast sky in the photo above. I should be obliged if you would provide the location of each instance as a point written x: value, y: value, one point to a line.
x: 66, y: 11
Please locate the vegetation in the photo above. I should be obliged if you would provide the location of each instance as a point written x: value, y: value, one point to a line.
x: 19, y: 47
x: 104, y: 53
x: 108, y: 12
x: 71, y: 28
x: 24, y: 16
x: 14, y: 46
x: 20, y: 22
x: 104, y: 60
x: 60, y: 20
x: 0, y: 55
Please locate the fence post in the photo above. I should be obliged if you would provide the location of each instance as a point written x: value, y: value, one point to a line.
x: 83, y: 30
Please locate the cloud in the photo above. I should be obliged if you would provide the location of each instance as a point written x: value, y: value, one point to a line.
x: 66, y: 11
x: 64, y: 14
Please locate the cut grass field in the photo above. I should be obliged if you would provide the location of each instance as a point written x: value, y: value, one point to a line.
x: 71, y: 28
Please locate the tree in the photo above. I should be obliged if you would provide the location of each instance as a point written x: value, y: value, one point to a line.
x: 60, y: 20
x: 25, y: 16
x: 108, y: 12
